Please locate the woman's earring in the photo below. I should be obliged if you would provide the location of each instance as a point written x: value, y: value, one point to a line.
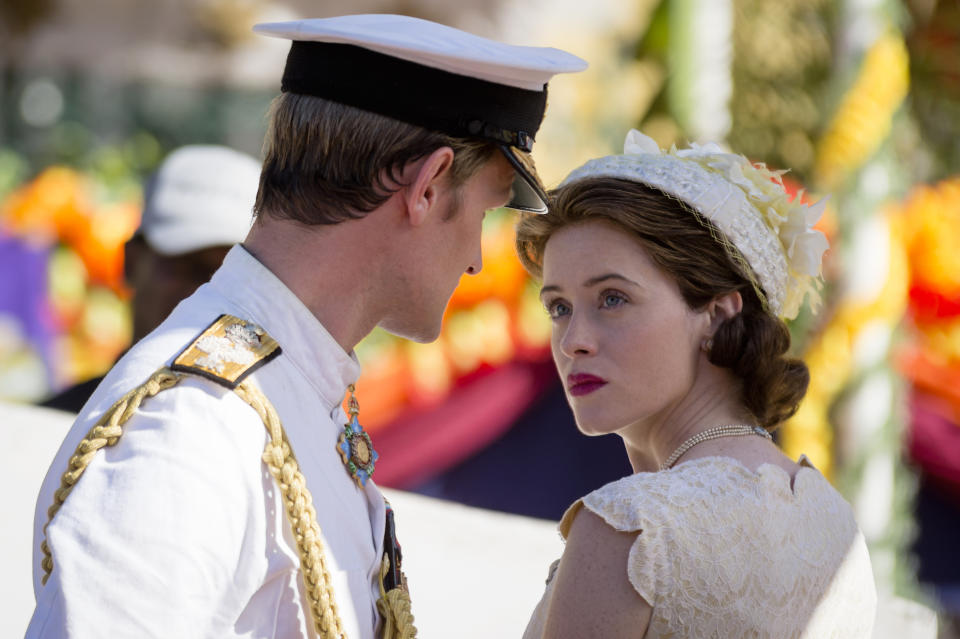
x: 707, y: 345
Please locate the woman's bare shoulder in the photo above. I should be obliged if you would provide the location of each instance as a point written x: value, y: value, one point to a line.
x: 592, y: 595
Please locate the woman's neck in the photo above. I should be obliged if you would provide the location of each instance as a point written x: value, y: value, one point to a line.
x: 713, y: 400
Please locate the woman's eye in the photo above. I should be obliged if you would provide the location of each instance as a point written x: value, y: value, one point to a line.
x: 557, y: 309
x: 613, y: 299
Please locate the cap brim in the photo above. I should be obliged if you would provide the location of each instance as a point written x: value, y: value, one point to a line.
x: 528, y: 193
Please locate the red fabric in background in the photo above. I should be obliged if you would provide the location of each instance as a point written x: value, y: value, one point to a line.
x: 928, y: 305
x: 422, y: 443
x: 934, y: 441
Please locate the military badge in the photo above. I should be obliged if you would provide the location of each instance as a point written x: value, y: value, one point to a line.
x: 227, y: 351
x: 354, y: 445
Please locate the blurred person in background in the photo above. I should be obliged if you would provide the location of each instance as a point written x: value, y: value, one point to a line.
x: 196, y: 206
x: 667, y: 277
x: 390, y: 140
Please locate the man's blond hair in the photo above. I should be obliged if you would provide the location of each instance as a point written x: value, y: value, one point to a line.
x: 326, y: 162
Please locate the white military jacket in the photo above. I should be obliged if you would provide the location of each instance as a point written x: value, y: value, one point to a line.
x: 178, y: 530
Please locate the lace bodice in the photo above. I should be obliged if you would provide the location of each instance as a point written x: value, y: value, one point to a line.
x: 726, y: 552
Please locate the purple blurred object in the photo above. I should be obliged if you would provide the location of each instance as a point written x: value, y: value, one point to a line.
x: 933, y: 441
x: 23, y: 292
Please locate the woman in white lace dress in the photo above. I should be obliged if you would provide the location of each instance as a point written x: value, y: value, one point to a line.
x: 667, y: 277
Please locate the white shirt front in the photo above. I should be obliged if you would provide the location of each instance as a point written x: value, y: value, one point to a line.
x: 179, y: 529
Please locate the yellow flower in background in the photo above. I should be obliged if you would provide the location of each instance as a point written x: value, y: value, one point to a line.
x: 831, y: 357
x: 863, y: 118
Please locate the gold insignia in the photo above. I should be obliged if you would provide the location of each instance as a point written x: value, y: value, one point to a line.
x: 227, y: 351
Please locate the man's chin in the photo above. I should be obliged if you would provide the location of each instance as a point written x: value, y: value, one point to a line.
x: 419, y: 334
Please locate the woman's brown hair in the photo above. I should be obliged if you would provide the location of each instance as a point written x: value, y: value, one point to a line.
x: 753, y: 344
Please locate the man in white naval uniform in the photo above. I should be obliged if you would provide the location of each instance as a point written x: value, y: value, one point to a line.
x: 390, y: 140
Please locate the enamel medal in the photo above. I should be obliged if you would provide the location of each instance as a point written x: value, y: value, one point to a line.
x: 354, y: 445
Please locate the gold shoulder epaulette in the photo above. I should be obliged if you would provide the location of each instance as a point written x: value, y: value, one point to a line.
x: 227, y: 351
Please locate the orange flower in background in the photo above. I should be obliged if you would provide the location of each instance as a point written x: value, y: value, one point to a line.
x: 930, y: 219
x: 828, y: 221
x: 932, y: 227
x: 54, y: 205
x: 502, y: 275
x: 100, y: 246
x: 383, y: 387
x: 57, y: 205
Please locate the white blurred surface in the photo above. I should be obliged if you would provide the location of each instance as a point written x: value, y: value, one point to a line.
x: 31, y: 439
x: 900, y: 618
x: 473, y: 573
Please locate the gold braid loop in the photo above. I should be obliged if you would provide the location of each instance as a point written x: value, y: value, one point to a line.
x: 394, y: 607
x: 105, y: 432
x: 283, y: 466
x: 279, y: 458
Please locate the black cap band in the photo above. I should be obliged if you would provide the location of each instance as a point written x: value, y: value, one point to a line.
x: 457, y: 105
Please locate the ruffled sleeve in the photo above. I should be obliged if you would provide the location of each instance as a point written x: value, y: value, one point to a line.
x: 629, y: 506
x: 723, y: 551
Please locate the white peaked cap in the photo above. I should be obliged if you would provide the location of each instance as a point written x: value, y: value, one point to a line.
x: 434, y: 45
x: 432, y: 76
x: 201, y: 196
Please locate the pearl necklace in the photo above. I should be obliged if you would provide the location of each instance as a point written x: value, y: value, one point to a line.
x: 729, y: 430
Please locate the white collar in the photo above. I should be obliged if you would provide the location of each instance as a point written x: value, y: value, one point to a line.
x: 264, y: 299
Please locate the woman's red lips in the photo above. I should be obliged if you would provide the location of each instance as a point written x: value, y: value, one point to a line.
x: 584, y: 384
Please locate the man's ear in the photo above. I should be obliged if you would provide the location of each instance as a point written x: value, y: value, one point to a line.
x: 722, y: 308
x: 425, y: 184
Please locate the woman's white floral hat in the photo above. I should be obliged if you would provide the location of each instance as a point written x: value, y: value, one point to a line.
x: 758, y: 221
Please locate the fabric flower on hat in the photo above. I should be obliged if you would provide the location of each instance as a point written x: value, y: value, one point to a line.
x: 788, y: 220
